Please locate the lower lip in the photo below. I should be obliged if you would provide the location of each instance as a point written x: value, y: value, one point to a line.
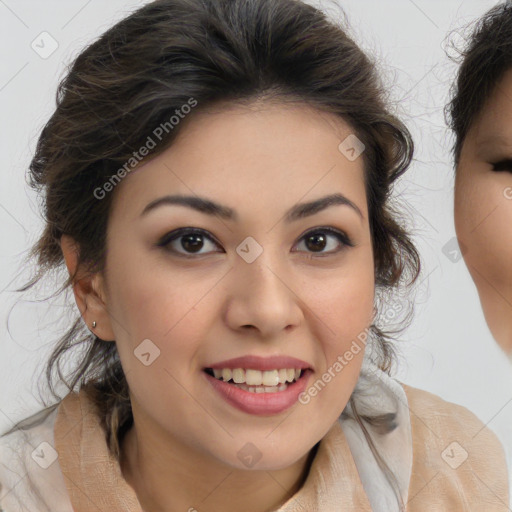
x: 260, y: 404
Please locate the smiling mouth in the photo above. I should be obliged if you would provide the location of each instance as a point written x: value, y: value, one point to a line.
x: 257, y: 381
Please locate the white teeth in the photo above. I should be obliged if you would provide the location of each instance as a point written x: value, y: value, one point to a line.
x: 238, y: 376
x: 262, y: 389
x: 271, y: 378
x: 253, y: 378
x: 250, y: 377
x: 257, y: 377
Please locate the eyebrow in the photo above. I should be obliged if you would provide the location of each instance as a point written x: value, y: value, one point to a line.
x: 496, y: 140
x: 209, y: 207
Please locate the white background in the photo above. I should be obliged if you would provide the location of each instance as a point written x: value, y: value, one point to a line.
x: 448, y: 349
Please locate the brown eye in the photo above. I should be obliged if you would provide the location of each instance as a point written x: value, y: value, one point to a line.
x: 318, y: 239
x: 192, y: 242
x: 186, y: 241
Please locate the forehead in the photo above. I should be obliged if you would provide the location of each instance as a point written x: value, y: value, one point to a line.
x: 492, y: 127
x: 275, y: 152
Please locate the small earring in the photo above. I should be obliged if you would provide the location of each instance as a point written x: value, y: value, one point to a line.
x: 94, y: 324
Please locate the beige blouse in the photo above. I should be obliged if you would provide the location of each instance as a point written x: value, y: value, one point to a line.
x: 444, y: 458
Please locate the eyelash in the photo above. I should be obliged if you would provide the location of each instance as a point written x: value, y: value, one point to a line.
x: 502, y: 165
x: 177, y: 234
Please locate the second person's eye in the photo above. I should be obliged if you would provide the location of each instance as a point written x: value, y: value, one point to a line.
x: 502, y: 165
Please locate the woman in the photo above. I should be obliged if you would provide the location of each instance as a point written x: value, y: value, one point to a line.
x: 480, y: 112
x: 217, y: 178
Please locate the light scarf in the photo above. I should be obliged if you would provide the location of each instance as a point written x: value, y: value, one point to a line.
x: 344, y: 475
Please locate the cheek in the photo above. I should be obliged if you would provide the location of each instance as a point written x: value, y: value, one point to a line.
x: 483, y: 220
x: 493, y: 250
x: 468, y: 206
x: 344, y: 304
x: 348, y: 304
x: 149, y: 302
x: 163, y: 326
x: 345, y: 311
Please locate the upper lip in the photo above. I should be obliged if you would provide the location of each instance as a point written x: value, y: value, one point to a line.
x: 261, y: 363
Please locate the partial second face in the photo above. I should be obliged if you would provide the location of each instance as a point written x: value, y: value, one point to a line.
x: 483, y: 209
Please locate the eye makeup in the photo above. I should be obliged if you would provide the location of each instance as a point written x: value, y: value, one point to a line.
x: 166, y: 241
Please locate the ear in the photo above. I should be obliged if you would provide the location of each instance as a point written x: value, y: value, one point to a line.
x: 89, y: 291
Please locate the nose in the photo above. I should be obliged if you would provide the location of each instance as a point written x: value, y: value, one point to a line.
x: 263, y: 297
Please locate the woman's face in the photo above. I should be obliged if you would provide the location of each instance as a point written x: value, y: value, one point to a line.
x: 257, y: 282
x: 483, y: 209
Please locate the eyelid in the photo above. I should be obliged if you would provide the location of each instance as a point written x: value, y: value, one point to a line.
x: 177, y: 233
x: 341, y: 235
x: 346, y: 240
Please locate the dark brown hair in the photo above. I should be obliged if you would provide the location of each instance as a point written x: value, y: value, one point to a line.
x: 137, y: 74
x: 484, y: 59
